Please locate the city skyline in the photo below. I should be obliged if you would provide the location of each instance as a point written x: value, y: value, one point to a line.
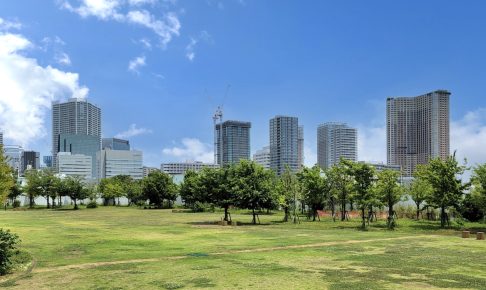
x: 141, y: 89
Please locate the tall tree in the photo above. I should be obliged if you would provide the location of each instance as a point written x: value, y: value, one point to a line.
x: 6, y: 178
x: 288, y: 193
x: 76, y: 189
x: 216, y: 188
x: 47, y: 184
x: 363, y: 194
x: 191, y: 191
x: 389, y: 192
x: 252, y: 184
x: 157, y: 187
x: 134, y: 192
x: 15, y: 191
x: 419, y: 190
x: 33, y: 187
x: 113, y: 190
x: 447, y: 187
x: 341, y: 185
x: 478, y: 180
x: 313, y: 189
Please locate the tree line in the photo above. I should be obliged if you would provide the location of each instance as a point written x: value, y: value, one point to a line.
x: 346, y: 186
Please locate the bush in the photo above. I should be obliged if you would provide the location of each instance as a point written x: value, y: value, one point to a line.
x: 406, y: 211
x: 200, y: 207
x: 16, y: 204
x: 471, y: 208
x: 92, y: 204
x: 8, y: 249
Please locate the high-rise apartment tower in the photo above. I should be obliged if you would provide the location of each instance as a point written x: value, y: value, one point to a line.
x: 417, y: 129
x: 284, y: 144
x: 336, y: 141
x: 300, y: 146
x: 236, y: 142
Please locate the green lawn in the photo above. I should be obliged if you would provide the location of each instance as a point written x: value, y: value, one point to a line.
x: 129, y: 248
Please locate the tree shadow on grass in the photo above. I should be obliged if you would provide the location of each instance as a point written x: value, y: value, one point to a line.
x: 216, y: 223
x: 435, y: 226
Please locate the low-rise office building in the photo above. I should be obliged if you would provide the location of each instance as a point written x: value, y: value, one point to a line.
x: 120, y: 162
x: 174, y: 168
x: 75, y: 165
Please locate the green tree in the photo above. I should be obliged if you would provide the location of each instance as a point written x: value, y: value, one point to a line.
x: 478, y: 181
x: 33, y: 187
x: 113, y: 190
x: 341, y: 185
x: 288, y: 193
x: 47, y: 184
x: 389, y: 192
x: 363, y: 194
x: 134, y: 192
x: 252, y: 184
x: 6, y: 178
x: 419, y: 190
x: 191, y: 191
x: 157, y: 187
x: 447, y: 187
x: 75, y: 189
x: 125, y: 182
x: 313, y: 189
x: 216, y: 188
x: 15, y: 191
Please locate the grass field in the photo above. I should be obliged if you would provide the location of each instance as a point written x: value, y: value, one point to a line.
x: 129, y: 248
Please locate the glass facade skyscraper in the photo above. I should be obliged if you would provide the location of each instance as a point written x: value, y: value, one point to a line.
x: 236, y: 142
x: 115, y: 144
x: 80, y: 144
x: 75, y: 117
x: 284, y: 145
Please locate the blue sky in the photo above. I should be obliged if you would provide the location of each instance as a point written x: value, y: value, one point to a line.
x: 158, y: 69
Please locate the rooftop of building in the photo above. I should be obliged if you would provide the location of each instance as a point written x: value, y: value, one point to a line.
x: 439, y: 91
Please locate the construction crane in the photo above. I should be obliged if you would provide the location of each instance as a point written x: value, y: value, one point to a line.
x: 218, y: 135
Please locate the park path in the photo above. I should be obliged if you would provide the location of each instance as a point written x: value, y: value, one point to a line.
x: 241, y: 251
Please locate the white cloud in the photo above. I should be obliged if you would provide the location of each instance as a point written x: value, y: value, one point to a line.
x: 141, y: 2
x: 7, y: 25
x: 28, y: 89
x: 166, y: 28
x: 191, y: 149
x: 146, y: 43
x: 63, y: 59
x: 133, y: 131
x: 468, y: 137
x: 372, y: 144
x: 193, y: 41
x: 136, y: 63
x: 159, y: 76
x: 102, y: 9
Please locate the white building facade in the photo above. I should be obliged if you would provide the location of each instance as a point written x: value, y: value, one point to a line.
x: 75, y: 165
x: 120, y: 162
x: 176, y: 168
x: 262, y: 157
